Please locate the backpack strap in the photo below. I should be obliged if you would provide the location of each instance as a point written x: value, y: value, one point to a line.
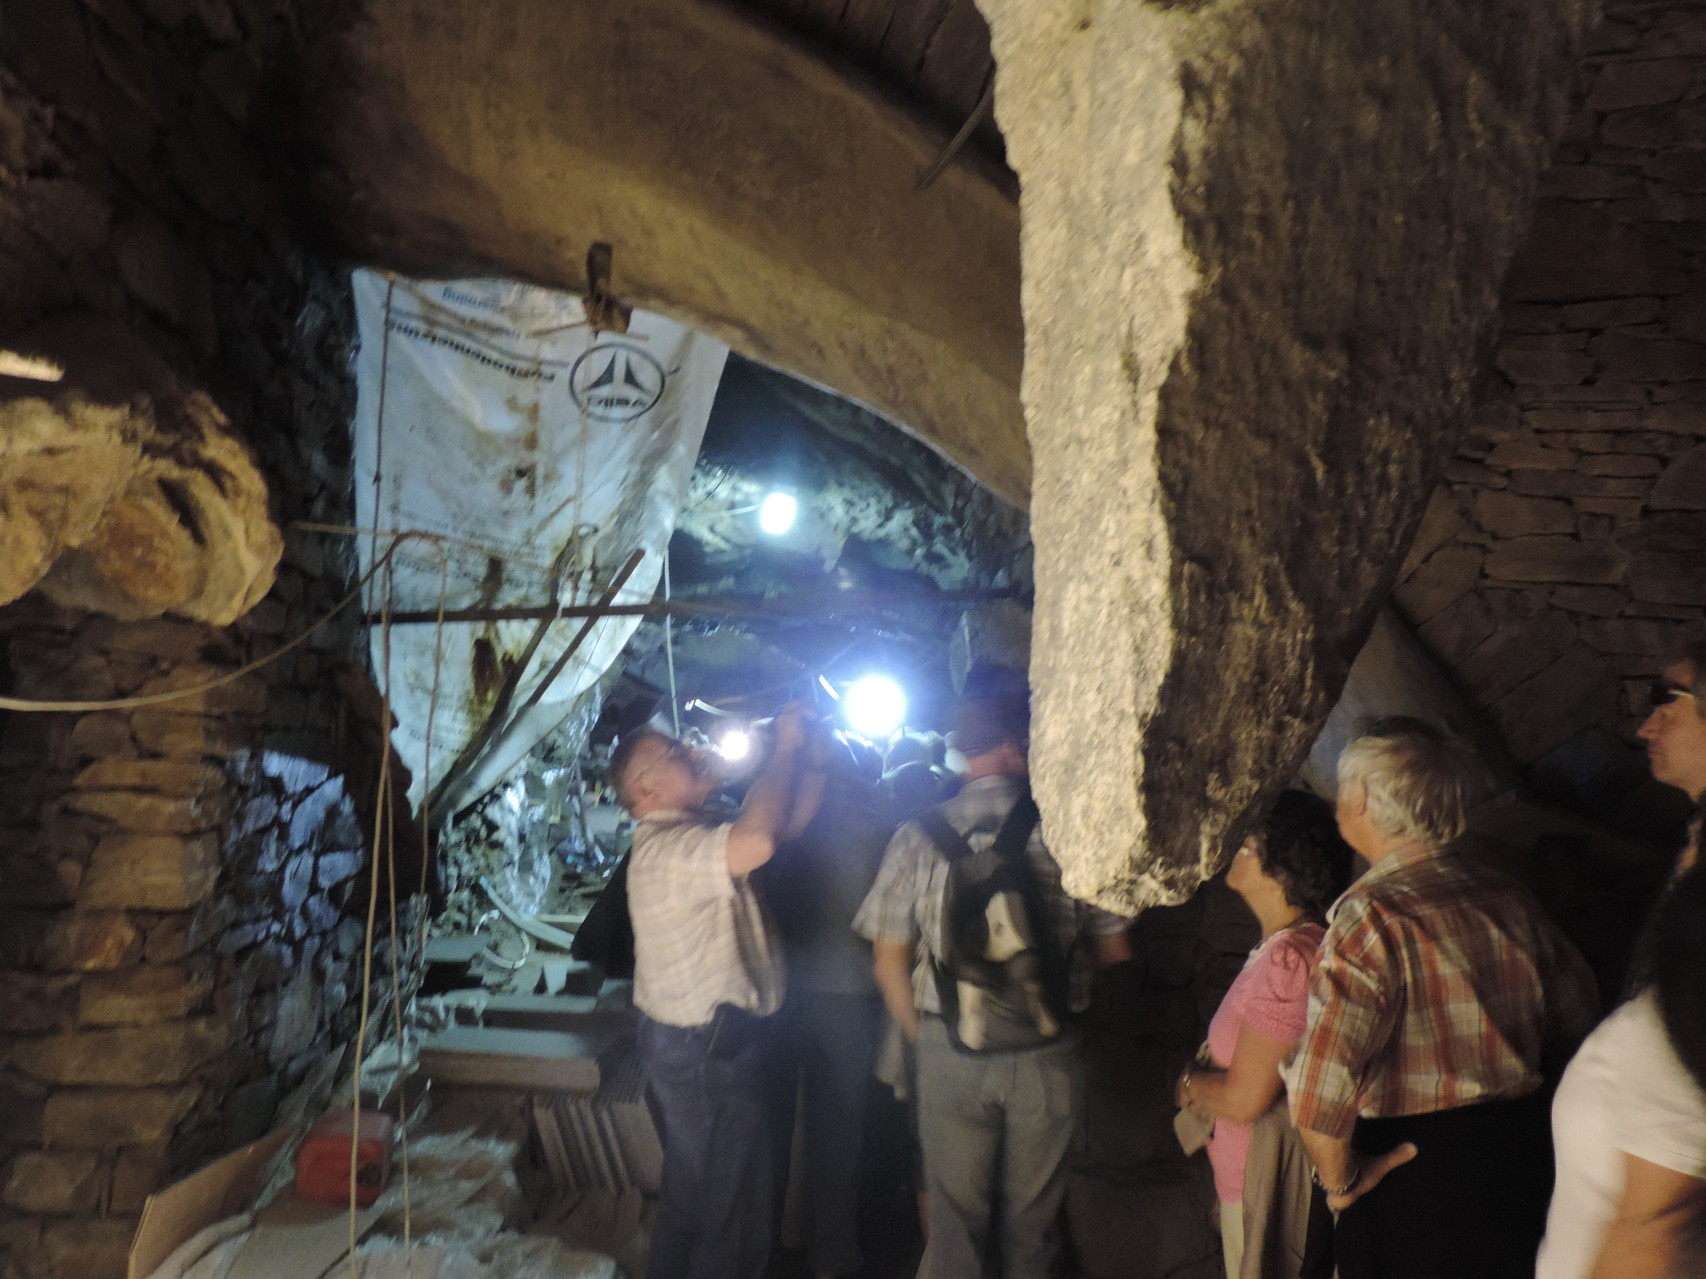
x: 1015, y: 832
x: 953, y: 847
x: 949, y: 842
x: 1011, y: 842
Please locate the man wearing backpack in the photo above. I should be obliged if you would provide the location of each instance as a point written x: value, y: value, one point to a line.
x: 1005, y: 964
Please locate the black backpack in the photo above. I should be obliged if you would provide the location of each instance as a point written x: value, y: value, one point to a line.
x: 1003, y: 980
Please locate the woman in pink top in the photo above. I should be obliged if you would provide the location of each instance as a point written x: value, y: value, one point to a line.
x: 1288, y: 873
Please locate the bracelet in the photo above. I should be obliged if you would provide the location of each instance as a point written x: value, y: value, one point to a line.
x: 1185, y: 1080
x: 1337, y: 1192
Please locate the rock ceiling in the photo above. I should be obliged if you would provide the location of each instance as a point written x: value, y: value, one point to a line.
x: 1261, y: 248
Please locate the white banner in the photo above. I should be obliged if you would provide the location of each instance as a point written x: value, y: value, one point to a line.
x: 491, y: 415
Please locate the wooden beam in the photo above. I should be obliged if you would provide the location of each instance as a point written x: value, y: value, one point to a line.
x: 723, y: 605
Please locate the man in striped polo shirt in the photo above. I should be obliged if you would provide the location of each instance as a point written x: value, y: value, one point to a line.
x: 708, y: 979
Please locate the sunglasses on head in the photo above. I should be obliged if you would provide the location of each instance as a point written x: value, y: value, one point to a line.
x: 1662, y: 693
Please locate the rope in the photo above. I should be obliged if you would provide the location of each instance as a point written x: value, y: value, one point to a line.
x: 426, y: 862
x: 669, y: 652
x: 381, y: 812
x: 195, y: 690
x: 379, y: 425
x: 398, y: 538
x: 484, y: 549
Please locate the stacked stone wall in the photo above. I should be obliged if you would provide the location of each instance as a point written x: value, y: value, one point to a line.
x: 1564, y: 555
x: 176, y: 943
x: 178, y: 882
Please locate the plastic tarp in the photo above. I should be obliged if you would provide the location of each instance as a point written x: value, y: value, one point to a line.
x: 491, y: 414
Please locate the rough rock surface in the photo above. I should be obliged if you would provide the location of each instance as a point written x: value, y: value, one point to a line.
x: 748, y: 189
x: 1262, y: 245
x: 124, y: 492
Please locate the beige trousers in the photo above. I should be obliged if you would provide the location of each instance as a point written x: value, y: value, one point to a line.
x: 1232, y: 1238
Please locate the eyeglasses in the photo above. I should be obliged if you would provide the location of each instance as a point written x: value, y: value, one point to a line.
x: 678, y: 751
x: 1662, y: 693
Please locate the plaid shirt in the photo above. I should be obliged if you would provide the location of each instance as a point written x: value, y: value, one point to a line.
x: 1440, y: 984
x: 701, y: 936
x: 905, y: 902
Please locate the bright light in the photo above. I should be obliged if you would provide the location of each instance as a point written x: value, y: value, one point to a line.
x: 776, y: 513
x: 734, y: 745
x: 875, y: 706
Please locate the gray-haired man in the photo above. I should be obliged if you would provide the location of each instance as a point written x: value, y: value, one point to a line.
x: 1441, y: 997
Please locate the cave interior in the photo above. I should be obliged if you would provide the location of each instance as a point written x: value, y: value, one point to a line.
x: 1235, y: 376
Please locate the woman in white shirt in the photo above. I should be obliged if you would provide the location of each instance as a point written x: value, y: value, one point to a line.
x: 1629, y: 1120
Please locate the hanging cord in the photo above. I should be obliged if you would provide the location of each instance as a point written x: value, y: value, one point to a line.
x: 483, y: 549
x: 421, y: 890
x: 985, y: 100
x: 230, y: 677
x: 669, y: 651
x: 390, y: 836
x: 380, y: 814
x: 379, y: 424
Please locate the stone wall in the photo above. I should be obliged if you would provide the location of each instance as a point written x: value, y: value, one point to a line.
x: 178, y: 939
x: 1562, y: 557
x: 175, y: 947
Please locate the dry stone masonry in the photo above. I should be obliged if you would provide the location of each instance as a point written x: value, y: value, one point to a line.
x: 1564, y: 555
x: 177, y: 881
x: 177, y: 945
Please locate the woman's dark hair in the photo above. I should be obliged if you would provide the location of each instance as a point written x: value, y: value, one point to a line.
x: 1299, y: 846
x: 1678, y: 968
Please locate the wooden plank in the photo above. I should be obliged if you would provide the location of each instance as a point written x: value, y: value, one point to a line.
x: 295, y: 1239
x: 551, y: 1141
x: 609, y: 1135
x: 546, y: 1060
x: 577, y: 1013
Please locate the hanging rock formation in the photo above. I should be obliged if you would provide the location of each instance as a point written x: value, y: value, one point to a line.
x: 1262, y: 245
x: 124, y: 492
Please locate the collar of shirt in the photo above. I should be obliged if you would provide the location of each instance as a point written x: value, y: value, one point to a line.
x: 1416, y: 850
x: 1394, y: 863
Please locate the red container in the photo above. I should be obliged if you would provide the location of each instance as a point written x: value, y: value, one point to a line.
x: 323, y: 1165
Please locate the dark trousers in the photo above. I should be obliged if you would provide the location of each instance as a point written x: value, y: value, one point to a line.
x: 715, y: 1203
x: 1470, y: 1205
x: 825, y: 1052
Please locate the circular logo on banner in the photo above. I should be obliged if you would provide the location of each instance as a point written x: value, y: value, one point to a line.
x: 616, y: 382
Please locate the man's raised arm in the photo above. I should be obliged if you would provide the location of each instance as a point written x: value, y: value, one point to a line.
x: 764, y: 817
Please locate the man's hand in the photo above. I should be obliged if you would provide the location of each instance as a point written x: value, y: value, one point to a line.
x: 891, y: 964
x: 791, y: 725
x: 773, y: 810
x: 1371, y: 1172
